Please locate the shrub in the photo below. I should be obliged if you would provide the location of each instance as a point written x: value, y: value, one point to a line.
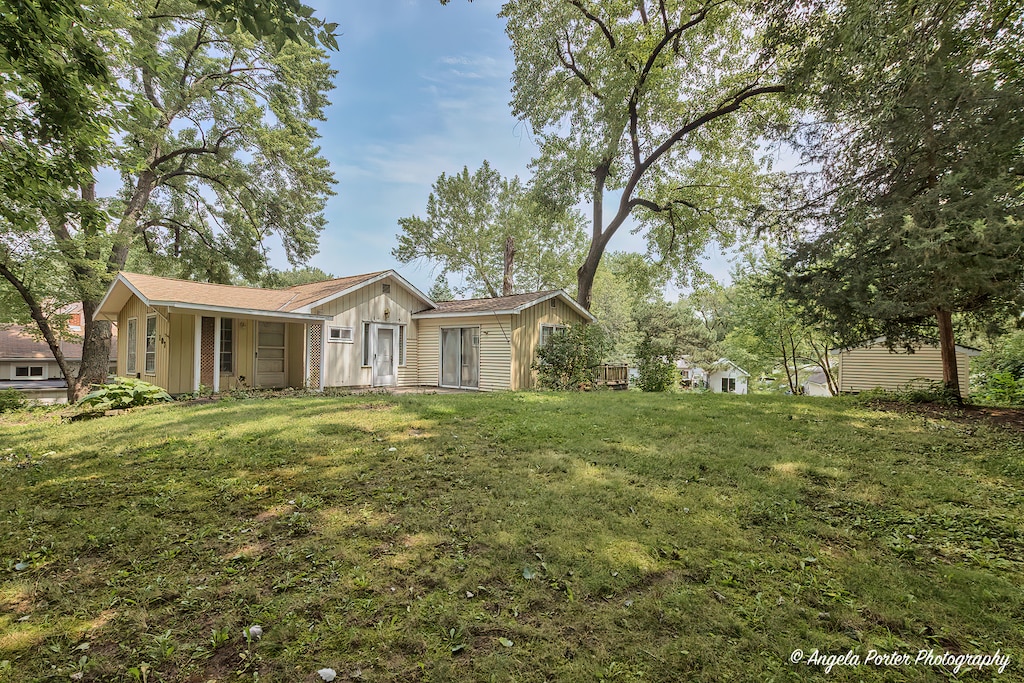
x: 125, y: 392
x: 1003, y: 388
x: 11, y: 399
x: 655, y: 373
x: 569, y: 360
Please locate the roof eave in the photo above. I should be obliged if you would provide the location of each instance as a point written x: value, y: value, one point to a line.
x: 185, y: 307
x: 463, y: 314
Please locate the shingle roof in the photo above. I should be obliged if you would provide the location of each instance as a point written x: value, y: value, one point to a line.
x: 156, y: 288
x: 498, y: 303
x: 18, y: 342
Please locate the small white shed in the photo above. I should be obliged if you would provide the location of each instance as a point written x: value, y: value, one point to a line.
x: 728, y: 378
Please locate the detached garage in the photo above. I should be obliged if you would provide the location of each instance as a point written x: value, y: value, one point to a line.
x: 874, y: 366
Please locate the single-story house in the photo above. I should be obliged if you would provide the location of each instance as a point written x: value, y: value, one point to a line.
x: 28, y: 365
x: 727, y: 378
x: 873, y: 366
x: 371, y: 330
x: 816, y: 383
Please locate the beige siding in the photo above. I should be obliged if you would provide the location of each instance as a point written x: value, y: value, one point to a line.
x: 866, y: 368
x: 495, y: 349
x: 369, y: 304
x: 136, y: 309
x: 409, y: 374
x: 181, y: 368
x: 526, y: 336
x: 295, y: 340
x: 245, y: 357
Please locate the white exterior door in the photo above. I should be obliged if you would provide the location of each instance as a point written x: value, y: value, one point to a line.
x: 270, y: 355
x: 385, y: 342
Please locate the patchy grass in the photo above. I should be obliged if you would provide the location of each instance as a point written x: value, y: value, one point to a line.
x: 527, y: 537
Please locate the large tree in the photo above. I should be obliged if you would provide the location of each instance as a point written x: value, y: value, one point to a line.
x: 655, y: 106
x: 920, y: 141
x: 496, y: 233
x: 211, y: 131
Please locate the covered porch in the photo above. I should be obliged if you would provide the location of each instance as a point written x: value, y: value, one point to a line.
x: 227, y: 350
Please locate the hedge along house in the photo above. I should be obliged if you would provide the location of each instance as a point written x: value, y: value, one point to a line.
x: 362, y: 331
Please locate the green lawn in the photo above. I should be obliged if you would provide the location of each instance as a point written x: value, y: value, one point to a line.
x: 530, y: 537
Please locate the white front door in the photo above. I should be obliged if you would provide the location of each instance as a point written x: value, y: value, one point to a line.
x: 270, y: 355
x: 385, y: 342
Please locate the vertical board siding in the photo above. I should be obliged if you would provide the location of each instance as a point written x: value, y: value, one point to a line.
x: 527, y: 336
x: 133, y: 309
x: 182, y: 339
x: 296, y: 351
x: 875, y: 367
x: 368, y: 304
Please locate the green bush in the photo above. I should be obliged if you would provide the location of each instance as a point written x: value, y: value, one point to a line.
x: 1003, y: 388
x: 569, y: 360
x: 11, y: 399
x: 125, y: 392
x: 655, y: 373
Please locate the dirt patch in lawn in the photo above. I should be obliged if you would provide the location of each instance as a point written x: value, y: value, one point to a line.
x: 1008, y: 418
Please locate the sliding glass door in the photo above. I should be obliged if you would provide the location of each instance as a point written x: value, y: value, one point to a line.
x: 460, y: 357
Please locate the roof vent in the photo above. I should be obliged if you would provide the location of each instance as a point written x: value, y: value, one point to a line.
x: 386, y: 288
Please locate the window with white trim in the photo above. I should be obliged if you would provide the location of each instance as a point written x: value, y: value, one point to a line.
x: 367, y: 352
x: 729, y: 385
x: 227, y: 345
x: 151, y: 344
x: 28, y: 372
x: 344, y: 335
x: 401, y: 344
x: 548, y: 331
x: 132, y: 347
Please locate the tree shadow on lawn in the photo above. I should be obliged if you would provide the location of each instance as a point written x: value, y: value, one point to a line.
x: 584, y: 540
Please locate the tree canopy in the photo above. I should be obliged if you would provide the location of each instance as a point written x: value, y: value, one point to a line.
x: 210, y: 128
x: 496, y: 233
x: 920, y: 142
x: 657, y: 106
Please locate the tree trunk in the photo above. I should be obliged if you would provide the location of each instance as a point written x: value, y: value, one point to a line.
x: 510, y: 255
x: 950, y: 373
x: 95, y: 353
x: 36, y: 311
x: 588, y: 271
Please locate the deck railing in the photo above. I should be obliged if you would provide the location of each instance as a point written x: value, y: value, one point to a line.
x: 614, y: 376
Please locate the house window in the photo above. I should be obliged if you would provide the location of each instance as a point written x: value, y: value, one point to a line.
x: 366, y: 344
x: 341, y: 334
x: 150, y: 344
x: 548, y: 331
x: 29, y: 371
x: 401, y: 344
x: 227, y: 345
x: 729, y: 385
x: 132, y: 355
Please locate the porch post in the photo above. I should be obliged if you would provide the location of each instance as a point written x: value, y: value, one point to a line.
x: 323, y: 353
x: 197, y: 352
x: 216, y: 354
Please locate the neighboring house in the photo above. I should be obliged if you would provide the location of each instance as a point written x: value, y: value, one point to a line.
x: 26, y: 363
x: 690, y: 375
x: 816, y: 384
x: 372, y: 330
x: 873, y: 366
x: 728, y: 378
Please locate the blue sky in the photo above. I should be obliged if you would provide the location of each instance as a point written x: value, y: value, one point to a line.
x: 421, y: 89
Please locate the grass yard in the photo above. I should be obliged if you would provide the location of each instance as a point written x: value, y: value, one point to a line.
x: 509, y: 537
